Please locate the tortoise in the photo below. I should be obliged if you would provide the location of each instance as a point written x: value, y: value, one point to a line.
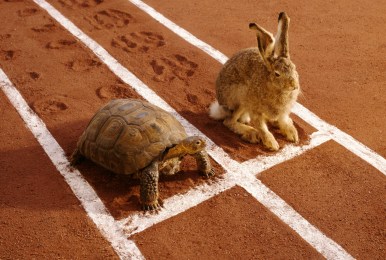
x: 134, y: 137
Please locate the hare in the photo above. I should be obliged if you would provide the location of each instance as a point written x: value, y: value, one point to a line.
x: 258, y: 86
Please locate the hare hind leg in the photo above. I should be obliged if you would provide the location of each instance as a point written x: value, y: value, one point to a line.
x: 247, y: 132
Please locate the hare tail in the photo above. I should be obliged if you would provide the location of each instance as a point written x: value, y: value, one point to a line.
x: 218, y: 112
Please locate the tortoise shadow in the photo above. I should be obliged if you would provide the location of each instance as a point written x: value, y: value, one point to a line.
x: 120, y: 193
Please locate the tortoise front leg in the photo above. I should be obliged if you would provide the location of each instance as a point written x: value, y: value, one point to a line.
x: 149, y: 187
x: 76, y: 157
x: 203, y: 164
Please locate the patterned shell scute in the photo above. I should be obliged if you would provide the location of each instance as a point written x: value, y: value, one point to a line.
x: 126, y: 135
x: 96, y: 124
x: 110, y: 132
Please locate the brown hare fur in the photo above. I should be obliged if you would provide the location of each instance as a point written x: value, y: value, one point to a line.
x: 258, y: 86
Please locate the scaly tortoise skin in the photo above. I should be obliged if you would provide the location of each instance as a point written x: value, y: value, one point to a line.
x: 129, y: 136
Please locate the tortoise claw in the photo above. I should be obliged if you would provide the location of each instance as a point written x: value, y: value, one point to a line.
x: 209, y: 174
x: 151, y: 206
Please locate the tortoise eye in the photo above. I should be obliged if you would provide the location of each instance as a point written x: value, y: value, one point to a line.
x: 198, y: 142
x: 277, y: 74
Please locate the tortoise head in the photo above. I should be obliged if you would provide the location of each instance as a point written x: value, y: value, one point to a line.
x: 193, y: 144
x: 190, y: 145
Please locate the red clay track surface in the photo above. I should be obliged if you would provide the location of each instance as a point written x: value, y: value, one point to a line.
x: 339, y: 49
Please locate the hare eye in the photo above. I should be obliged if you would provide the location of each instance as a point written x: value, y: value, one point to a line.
x: 277, y: 74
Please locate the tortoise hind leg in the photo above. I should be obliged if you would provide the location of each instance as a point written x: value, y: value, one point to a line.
x: 76, y: 157
x: 149, y: 187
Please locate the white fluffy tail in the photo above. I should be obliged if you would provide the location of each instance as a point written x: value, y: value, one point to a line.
x: 217, y: 112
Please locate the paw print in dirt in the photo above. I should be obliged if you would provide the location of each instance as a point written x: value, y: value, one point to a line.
x: 34, y: 75
x: 8, y: 55
x: 5, y: 36
x: 138, y: 41
x: 148, y: 39
x: 83, y: 65
x: 44, y: 28
x: 61, y: 44
x: 50, y: 105
x: 168, y: 69
x: 27, y: 12
x: 110, y: 18
x: 80, y: 3
x: 118, y: 90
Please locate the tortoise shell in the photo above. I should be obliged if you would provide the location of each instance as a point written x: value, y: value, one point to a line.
x: 126, y: 135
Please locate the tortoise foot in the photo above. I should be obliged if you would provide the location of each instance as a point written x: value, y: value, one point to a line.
x: 209, y: 174
x: 151, y: 206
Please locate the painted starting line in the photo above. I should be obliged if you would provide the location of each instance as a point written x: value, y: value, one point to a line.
x: 98, y: 213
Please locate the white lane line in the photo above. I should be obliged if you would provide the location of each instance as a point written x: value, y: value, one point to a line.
x: 95, y: 209
x: 323, y: 244
x: 216, y: 152
x: 344, y: 139
x: 175, y: 205
x: 262, y: 163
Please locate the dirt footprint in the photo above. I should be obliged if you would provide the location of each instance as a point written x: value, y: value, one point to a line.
x: 193, y: 99
x: 60, y: 44
x: 167, y: 69
x: 81, y: 3
x: 82, y: 65
x: 44, y: 28
x: 124, y: 43
x: 8, y: 54
x: 138, y: 41
x: 148, y: 39
x: 49, y: 105
x: 34, y: 75
x: 5, y: 36
x: 27, y: 12
x: 116, y: 91
x: 110, y: 18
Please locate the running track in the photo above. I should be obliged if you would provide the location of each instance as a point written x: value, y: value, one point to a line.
x: 242, y: 174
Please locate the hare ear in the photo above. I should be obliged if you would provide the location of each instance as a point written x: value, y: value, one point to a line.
x: 281, y: 38
x: 265, y: 42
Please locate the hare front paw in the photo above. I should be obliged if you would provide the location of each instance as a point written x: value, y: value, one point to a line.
x: 288, y: 129
x: 291, y: 134
x: 270, y: 142
x: 272, y: 145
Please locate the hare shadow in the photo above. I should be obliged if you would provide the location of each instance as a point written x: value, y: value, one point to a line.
x: 232, y: 143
